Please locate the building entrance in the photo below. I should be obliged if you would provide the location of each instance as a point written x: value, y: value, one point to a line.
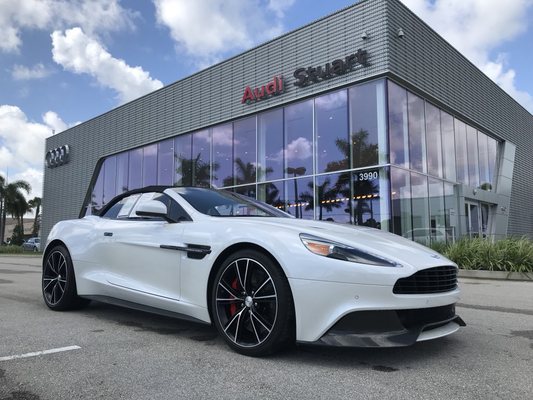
x: 477, y: 216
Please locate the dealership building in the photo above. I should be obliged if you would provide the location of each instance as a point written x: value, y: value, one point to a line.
x: 365, y: 117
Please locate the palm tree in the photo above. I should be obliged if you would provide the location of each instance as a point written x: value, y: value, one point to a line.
x: 195, y: 172
x: 35, y: 203
x: 17, y: 206
x: 362, y: 154
x: 12, y: 200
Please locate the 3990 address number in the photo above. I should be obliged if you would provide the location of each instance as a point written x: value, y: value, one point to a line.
x: 368, y: 176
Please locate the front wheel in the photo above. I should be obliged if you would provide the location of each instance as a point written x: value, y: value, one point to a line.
x: 252, y: 304
x: 58, y: 281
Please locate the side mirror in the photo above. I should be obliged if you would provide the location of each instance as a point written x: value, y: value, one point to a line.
x: 153, y: 208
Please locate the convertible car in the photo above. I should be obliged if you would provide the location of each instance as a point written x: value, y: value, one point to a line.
x: 263, y: 278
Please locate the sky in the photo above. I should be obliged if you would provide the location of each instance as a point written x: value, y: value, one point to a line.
x: 63, y: 62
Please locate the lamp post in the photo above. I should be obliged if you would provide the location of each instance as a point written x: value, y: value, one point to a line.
x: 298, y: 171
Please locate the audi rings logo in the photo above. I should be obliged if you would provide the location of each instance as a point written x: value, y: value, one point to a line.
x: 57, y: 157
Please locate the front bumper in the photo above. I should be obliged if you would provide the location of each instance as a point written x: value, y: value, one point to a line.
x: 392, y: 328
x: 376, y: 316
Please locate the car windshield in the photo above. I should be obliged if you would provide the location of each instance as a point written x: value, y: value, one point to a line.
x: 220, y: 203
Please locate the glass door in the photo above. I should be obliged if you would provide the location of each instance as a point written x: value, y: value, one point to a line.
x: 477, y: 219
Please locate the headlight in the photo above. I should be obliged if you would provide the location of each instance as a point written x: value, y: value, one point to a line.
x: 327, y: 248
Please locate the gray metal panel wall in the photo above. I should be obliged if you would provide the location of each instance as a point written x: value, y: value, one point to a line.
x: 213, y: 96
x: 426, y: 62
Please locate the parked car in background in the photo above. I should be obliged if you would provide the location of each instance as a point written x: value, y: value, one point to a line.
x: 32, y: 244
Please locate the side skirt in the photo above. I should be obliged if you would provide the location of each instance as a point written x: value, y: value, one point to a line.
x: 141, y: 307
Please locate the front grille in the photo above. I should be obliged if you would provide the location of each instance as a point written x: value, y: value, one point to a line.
x: 427, y: 281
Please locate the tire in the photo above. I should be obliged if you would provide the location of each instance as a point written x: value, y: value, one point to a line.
x: 59, y: 282
x: 252, y: 304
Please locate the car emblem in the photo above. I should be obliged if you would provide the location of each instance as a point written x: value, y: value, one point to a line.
x: 435, y: 256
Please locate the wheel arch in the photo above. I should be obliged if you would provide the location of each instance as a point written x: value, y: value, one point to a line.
x: 225, y: 254
x: 51, y: 245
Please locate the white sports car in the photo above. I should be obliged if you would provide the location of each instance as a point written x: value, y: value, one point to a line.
x: 263, y: 278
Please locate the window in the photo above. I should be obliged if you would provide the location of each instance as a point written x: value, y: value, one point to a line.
x: 135, y: 169
x: 368, y: 143
x: 298, y: 149
x: 122, y: 208
x: 365, y: 204
x: 183, y: 160
x: 110, y: 176
x: 448, y: 146
x: 300, y: 197
x: 331, y: 124
x: 245, y: 151
x: 175, y: 211
x: 200, y: 162
x: 272, y: 193
x: 401, y: 202
x: 165, y: 162
x: 461, y: 149
x: 122, y: 172
x: 270, y: 145
x: 434, y: 140
x: 473, y: 159
x: 398, y: 126
x: 484, y: 176
x: 150, y: 165
x: 437, y: 212
x: 493, y: 160
x: 223, y: 155
x: 97, y: 195
x: 420, y: 205
x: 417, y: 133
x: 332, y: 200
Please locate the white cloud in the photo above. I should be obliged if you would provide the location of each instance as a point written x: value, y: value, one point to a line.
x: 279, y: 6
x: 298, y: 149
x: 22, y: 144
x: 208, y: 29
x: 53, y: 120
x: 478, y: 27
x: 38, y: 71
x: 81, y: 54
x: 35, y: 178
x: 94, y: 16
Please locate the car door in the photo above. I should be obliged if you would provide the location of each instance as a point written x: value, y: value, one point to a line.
x: 135, y: 257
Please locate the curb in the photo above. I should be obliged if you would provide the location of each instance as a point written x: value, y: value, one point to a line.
x: 497, y: 275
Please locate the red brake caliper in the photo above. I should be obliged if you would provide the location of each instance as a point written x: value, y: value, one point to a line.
x: 233, y: 306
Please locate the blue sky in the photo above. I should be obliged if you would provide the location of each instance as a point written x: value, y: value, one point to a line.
x: 65, y: 61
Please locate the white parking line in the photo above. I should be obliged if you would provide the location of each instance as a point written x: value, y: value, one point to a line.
x: 39, y: 353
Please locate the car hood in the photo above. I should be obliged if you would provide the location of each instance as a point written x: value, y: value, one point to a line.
x: 371, y: 240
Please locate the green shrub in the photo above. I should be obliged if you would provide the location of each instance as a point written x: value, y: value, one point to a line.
x: 11, y: 250
x: 511, y: 254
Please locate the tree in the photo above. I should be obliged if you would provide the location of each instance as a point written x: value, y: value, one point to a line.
x: 195, y: 171
x: 362, y: 154
x: 12, y: 201
x: 36, y: 203
x: 17, y: 206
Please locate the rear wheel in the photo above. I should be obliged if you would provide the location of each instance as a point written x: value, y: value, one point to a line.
x: 58, y: 281
x: 252, y: 304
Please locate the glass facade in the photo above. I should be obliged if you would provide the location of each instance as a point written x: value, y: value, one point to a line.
x: 373, y: 154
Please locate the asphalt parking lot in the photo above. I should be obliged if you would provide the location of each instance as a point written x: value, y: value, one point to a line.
x: 111, y: 353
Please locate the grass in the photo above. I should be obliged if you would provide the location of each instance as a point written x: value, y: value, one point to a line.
x: 11, y: 250
x: 509, y: 255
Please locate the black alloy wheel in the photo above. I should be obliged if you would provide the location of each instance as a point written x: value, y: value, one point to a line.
x: 58, y: 281
x: 252, y: 305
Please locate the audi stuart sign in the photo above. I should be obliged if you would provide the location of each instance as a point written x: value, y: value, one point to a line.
x: 57, y: 156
